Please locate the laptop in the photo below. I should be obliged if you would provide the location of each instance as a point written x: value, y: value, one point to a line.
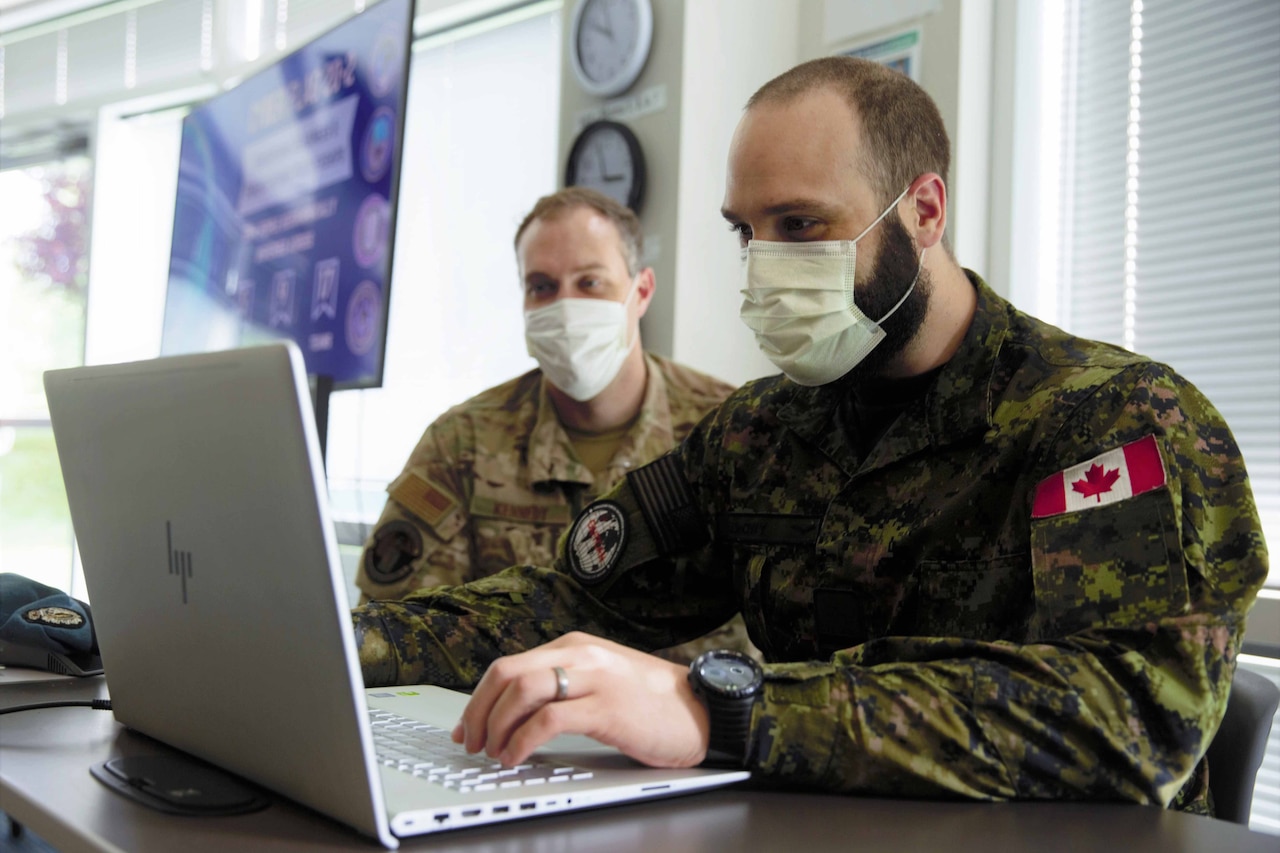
x: 200, y: 507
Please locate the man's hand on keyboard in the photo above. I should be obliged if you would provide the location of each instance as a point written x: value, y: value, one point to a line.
x: 636, y: 702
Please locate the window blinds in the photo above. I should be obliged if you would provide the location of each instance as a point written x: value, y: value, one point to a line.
x: 1170, y: 234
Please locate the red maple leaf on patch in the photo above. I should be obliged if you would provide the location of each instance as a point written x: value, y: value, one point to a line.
x: 1096, y: 481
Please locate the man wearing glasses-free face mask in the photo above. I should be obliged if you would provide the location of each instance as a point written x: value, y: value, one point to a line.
x: 983, y: 558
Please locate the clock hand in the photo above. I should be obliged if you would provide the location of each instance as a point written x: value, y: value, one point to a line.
x: 604, y: 9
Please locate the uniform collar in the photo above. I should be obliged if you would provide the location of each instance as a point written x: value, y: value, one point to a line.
x: 957, y: 407
x: 551, y: 455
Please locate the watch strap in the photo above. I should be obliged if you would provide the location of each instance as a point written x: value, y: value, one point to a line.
x: 730, y: 726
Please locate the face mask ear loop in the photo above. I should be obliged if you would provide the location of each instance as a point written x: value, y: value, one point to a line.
x: 883, y: 214
x: 908, y: 293
x: 850, y: 257
x: 634, y: 289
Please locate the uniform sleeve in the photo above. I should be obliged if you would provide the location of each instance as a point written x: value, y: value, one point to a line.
x: 423, y: 537
x: 619, y: 586
x: 1139, y: 610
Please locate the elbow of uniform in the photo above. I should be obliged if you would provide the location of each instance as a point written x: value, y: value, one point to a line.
x: 1168, y: 755
x: 379, y: 657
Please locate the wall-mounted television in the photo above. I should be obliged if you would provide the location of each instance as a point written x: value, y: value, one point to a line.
x: 285, y: 216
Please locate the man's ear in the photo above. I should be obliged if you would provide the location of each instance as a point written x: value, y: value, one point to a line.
x: 644, y: 290
x: 924, y: 210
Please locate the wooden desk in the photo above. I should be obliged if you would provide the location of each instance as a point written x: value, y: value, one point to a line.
x: 45, y: 784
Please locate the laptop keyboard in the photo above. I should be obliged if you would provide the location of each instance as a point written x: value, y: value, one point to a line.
x: 414, y: 747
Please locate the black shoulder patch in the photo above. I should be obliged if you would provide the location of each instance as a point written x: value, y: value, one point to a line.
x: 667, y: 503
x: 396, y: 545
x: 596, y: 541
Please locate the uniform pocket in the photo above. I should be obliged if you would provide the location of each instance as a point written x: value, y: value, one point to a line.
x: 974, y: 599
x: 1117, y: 565
x: 776, y: 550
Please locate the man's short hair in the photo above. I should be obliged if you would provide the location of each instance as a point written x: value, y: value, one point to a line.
x: 572, y: 198
x: 905, y: 135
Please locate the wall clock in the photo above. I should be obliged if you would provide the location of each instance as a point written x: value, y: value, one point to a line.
x: 606, y: 156
x: 610, y: 41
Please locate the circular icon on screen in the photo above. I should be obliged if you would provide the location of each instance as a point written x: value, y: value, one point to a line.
x: 372, y: 230
x: 364, y: 316
x: 385, y: 64
x: 375, y: 151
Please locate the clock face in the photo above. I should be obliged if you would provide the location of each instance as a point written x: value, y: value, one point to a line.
x: 606, y: 157
x: 611, y: 40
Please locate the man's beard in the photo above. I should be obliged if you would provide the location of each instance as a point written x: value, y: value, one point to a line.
x: 894, y: 271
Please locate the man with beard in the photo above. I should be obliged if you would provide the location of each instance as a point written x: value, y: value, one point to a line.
x: 982, y: 557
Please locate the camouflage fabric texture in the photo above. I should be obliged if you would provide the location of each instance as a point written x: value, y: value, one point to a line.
x: 926, y: 636
x: 495, y: 482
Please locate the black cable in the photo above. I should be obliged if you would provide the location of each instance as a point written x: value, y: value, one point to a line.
x: 97, y: 704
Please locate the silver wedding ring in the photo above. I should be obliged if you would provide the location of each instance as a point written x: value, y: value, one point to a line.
x: 562, y: 683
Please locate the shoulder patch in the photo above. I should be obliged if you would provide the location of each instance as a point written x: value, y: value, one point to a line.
x: 396, y: 545
x: 423, y: 497
x: 596, y: 541
x: 1121, y: 473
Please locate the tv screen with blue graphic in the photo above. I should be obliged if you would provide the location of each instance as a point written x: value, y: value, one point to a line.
x: 286, y: 203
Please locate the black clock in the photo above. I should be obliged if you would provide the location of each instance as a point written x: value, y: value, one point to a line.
x: 607, y: 157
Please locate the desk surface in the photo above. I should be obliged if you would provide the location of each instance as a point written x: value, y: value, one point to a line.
x: 45, y: 784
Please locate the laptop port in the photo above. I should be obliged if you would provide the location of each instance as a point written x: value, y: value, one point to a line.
x: 442, y: 817
x: 501, y: 809
x: 528, y: 807
x: 471, y: 813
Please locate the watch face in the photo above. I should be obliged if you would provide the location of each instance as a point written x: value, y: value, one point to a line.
x: 606, y: 157
x: 729, y: 674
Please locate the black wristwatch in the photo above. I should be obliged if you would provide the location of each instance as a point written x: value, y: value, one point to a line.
x: 728, y: 682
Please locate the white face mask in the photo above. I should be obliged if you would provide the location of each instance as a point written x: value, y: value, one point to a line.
x: 799, y: 302
x: 580, y: 343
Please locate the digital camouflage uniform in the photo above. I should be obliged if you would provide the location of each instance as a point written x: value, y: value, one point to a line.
x: 927, y: 636
x: 495, y: 481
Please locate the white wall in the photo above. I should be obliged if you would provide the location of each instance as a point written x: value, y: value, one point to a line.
x: 732, y: 47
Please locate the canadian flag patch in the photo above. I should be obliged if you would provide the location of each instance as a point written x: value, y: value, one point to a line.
x: 1113, y: 476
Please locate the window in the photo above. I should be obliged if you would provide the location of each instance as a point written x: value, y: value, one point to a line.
x: 43, y: 294
x: 480, y: 140
x: 1169, y: 240
x: 1167, y: 188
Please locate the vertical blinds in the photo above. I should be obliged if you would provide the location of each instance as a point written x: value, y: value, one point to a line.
x: 1170, y: 234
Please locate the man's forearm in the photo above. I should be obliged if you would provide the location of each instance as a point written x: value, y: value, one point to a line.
x: 448, y: 636
x: 1120, y: 715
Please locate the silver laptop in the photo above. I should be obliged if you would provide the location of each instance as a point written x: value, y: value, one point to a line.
x: 201, y: 512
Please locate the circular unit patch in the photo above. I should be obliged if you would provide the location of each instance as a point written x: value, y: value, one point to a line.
x: 596, y: 541
x: 396, y: 545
